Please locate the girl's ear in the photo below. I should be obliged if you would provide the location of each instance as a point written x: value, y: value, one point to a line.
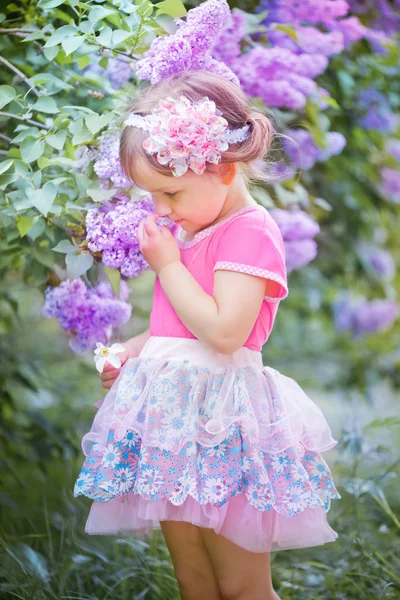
x: 227, y: 172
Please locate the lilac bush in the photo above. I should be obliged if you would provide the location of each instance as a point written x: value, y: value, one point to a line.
x: 88, y: 314
x: 361, y: 316
x: 297, y: 229
x: 309, y: 153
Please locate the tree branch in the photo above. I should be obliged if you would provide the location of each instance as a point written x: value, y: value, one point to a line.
x: 21, y: 75
x: 17, y: 29
x: 20, y: 118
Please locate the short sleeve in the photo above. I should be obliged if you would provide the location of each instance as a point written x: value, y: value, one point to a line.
x: 252, y: 243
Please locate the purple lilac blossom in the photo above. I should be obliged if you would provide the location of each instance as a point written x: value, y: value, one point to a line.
x: 310, y: 41
x: 89, y: 314
x: 118, y: 71
x: 112, y: 230
x: 276, y: 75
x: 361, y: 316
x: 393, y: 148
x: 297, y: 229
x: 353, y: 30
x: 310, y: 153
x: 379, y: 260
x: 108, y: 165
x: 390, y: 184
x: 377, y: 111
x: 227, y: 47
x: 324, y: 12
x: 83, y: 157
x: 189, y: 48
x: 383, y: 14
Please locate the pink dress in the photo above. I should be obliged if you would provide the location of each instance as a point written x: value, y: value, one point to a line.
x: 220, y: 441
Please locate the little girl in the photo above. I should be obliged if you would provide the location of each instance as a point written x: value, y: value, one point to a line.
x: 196, y: 436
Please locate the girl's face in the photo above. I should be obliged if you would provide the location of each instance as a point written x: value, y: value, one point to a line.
x: 194, y: 201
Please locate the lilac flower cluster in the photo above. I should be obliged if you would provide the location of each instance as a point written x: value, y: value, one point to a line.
x: 278, y: 76
x: 112, y: 230
x: 309, y: 152
x: 297, y: 229
x: 324, y: 12
x: 190, y: 47
x: 89, y: 314
x: 389, y: 185
x: 108, y: 165
x: 377, y: 112
x: 118, y: 71
x: 361, y: 316
x: 378, y: 260
x: 283, y: 74
x: 106, y: 161
x: 384, y: 15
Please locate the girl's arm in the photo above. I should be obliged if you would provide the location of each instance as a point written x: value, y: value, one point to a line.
x: 136, y: 343
x: 223, y: 321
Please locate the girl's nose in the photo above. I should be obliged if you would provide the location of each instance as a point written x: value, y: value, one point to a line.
x: 162, y: 208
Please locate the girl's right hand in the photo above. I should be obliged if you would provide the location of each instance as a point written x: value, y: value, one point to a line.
x: 110, y: 373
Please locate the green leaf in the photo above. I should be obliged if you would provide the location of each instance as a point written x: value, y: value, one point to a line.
x: 96, y: 122
x: 98, y: 13
x: 49, y: 78
x: 105, y: 37
x: 46, y: 104
x: 172, y: 8
x: 5, y: 165
x: 61, y: 34
x: 31, y: 149
x: 72, y: 44
x: 114, y: 277
x: 37, y: 228
x: 44, y: 256
x: 78, y: 264
x: 385, y: 422
x: 83, y: 62
x: 7, y: 93
x: 288, y: 29
x: 50, y: 3
x: 24, y: 225
x: 51, y: 53
x: 331, y: 101
x: 43, y: 198
x: 57, y: 140
x: 65, y: 247
x: 120, y: 36
x: 99, y: 195
x: 103, y: 62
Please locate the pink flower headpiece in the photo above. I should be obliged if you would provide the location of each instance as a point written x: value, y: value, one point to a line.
x: 187, y: 135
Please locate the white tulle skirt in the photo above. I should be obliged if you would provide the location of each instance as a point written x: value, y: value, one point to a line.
x: 220, y: 441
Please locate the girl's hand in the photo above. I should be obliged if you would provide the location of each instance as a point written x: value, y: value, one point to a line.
x: 159, y: 248
x: 110, y: 373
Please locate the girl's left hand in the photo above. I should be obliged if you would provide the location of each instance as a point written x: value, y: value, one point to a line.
x: 159, y: 248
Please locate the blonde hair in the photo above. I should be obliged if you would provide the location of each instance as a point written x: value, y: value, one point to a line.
x: 229, y: 99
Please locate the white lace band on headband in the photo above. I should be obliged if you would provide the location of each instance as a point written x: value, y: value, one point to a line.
x: 187, y: 135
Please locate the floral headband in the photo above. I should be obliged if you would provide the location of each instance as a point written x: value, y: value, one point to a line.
x: 187, y: 135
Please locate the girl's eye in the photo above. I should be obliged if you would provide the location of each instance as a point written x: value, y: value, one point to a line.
x: 171, y: 194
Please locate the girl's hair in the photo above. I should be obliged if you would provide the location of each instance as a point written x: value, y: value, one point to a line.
x: 229, y: 99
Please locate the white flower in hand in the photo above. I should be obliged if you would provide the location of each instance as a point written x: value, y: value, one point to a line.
x: 104, y: 354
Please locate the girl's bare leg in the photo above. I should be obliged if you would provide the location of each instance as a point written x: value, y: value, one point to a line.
x: 192, y: 564
x: 241, y: 575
